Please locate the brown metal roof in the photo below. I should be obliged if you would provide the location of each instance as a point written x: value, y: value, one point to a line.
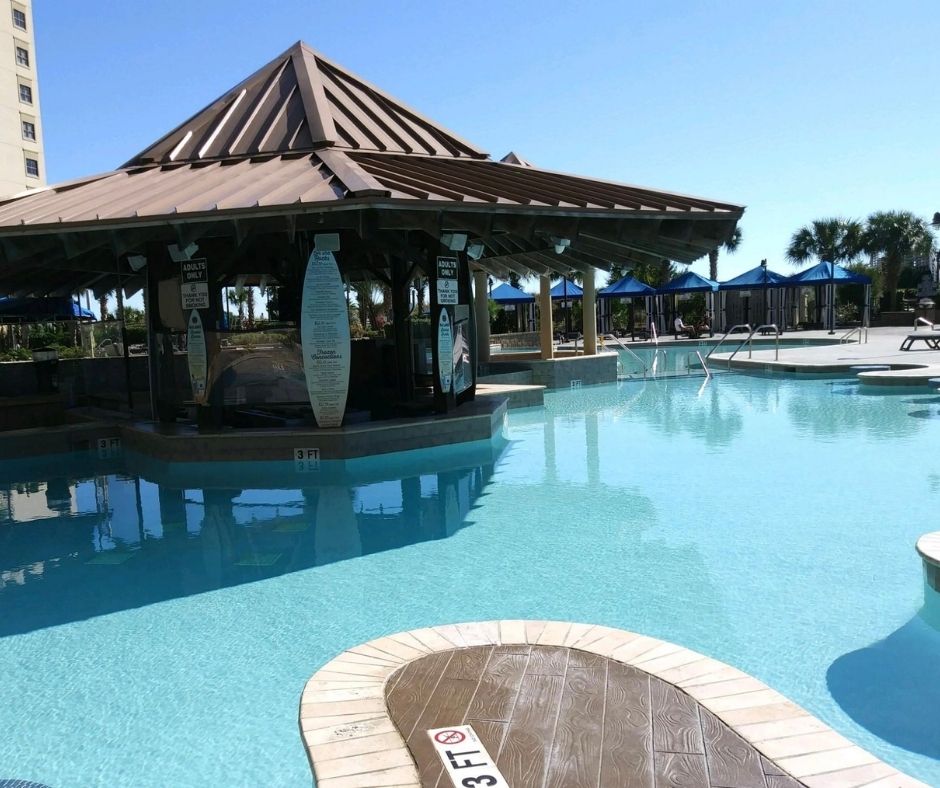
x: 291, y: 182
x: 304, y: 136
x: 301, y: 101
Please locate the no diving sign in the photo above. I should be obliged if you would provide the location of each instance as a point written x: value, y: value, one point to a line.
x: 465, y: 759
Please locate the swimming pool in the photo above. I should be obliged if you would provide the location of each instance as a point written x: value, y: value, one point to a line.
x: 157, y: 624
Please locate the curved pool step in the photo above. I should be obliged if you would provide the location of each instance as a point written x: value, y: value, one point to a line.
x: 364, y: 716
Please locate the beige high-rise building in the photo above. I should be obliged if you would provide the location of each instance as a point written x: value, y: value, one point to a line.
x: 21, y: 160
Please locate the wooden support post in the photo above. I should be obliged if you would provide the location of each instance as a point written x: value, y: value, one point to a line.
x: 546, y: 331
x: 481, y: 311
x: 404, y: 364
x: 589, y: 313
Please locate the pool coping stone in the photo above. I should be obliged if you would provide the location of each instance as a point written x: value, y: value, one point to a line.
x: 351, y: 740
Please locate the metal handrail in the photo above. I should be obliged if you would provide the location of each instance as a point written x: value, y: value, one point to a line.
x: 618, y: 341
x: 701, y: 360
x: 655, y: 335
x: 750, y: 343
x: 727, y: 334
x: 924, y: 321
x: 708, y: 372
x: 862, y: 332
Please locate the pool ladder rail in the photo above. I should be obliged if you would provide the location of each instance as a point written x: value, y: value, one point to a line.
x: 862, y: 332
x: 749, y: 340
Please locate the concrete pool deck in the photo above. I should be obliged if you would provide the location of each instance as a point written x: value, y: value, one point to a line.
x: 556, y: 703
x: 908, y: 368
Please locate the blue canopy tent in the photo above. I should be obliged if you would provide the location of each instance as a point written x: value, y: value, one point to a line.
x: 510, y: 297
x: 566, y: 292
x: 772, y: 287
x: 825, y: 277
x: 687, y: 283
x: 507, y: 295
x: 627, y: 287
x: 25, y: 310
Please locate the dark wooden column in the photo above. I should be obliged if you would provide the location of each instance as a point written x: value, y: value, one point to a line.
x: 404, y: 361
x: 164, y: 396
x: 464, y: 279
x: 210, y: 415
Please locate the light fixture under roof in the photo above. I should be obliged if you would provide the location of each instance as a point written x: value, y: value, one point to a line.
x: 456, y: 242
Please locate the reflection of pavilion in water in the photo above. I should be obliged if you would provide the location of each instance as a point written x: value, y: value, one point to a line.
x: 124, y: 541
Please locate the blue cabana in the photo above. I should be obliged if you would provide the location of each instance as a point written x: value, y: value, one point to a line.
x: 37, y: 309
x: 566, y: 290
x: 689, y: 282
x: 821, y: 273
x: 627, y: 287
x: 825, y: 277
x: 738, y: 308
x: 685, y: 284
x: 507, y: 295
x: 513, y: 299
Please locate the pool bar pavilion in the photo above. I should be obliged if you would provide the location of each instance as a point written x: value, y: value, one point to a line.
x: 312, y: 184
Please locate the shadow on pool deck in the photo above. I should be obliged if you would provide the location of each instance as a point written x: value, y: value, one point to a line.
x: 891, y: 687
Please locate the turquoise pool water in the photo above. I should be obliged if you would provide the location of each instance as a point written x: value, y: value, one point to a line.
x: 157, y: 624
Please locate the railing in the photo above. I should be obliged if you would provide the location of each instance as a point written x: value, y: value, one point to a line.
x: 708, y: 372
x: 727, y: 334
x: 924, y: 321
x: 750, y: 342
x: 862, y: 335
x: 617, y: 341
x: 653, y: 331
x: 701, y: 361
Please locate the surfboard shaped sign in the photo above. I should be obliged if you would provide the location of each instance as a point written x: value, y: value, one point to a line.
x: 445, y: 351
x: 324, y: 335
x: 196, y: 356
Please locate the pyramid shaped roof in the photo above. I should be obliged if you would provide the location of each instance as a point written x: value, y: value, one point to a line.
x: 302, y: 101
x: 566, y: 289
x: 507, y: 294
x: 689, y: 282
x: 827, y: 272
x: 627, y: 287
x: 759, y: 276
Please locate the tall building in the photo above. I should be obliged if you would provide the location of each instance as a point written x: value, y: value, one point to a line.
x: 21, y: 159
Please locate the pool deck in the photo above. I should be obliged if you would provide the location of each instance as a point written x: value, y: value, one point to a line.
x: 909, y: 368
x: 561, y: 704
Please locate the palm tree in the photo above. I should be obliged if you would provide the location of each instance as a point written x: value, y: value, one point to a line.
x: 250, y: 304
x: 103, y: 305
x: 730, y: 245
x: 832, y: 240
x: 896, y: 237
x: 238, y: 297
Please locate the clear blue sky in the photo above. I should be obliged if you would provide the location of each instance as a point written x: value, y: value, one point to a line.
x: 797, y: 110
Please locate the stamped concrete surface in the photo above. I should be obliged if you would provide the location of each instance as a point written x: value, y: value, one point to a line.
x: 364, y: 715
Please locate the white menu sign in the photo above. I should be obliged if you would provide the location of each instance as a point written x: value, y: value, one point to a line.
x: 196, y: 356
x: 445, y: 351
x: 324, y: 334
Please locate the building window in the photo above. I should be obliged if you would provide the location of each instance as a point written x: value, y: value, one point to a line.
x: 32, y: 167
x: 22, y: 57
x: 26, y: 94
x: 19, y: 19
x: 29, y: 130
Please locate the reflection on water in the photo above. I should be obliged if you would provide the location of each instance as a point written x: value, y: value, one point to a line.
x: 95, y: 540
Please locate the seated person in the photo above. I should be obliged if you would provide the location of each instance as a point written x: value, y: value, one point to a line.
x: 703, y: 327
x: 682, y: 328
